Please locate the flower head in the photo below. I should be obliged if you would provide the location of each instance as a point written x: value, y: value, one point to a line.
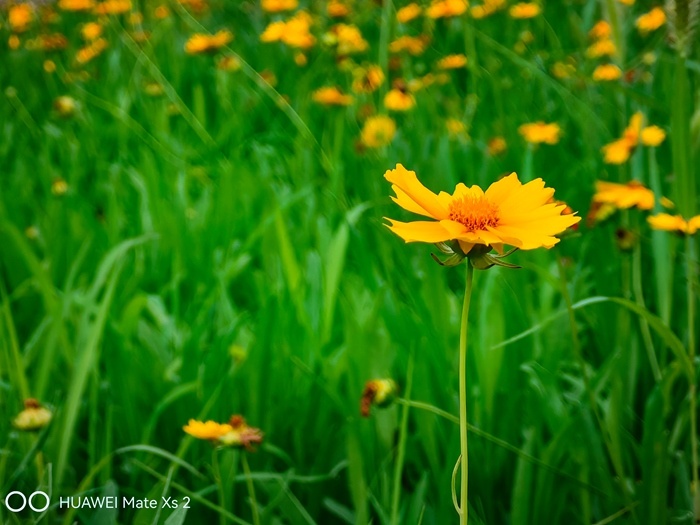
x: 276, y: 6
x: 600, y: 31
x: 446, y: 8
x: 408, y: 13
x: 210, y: 430
x: 651, y: 21
x: 76, y: 5
x: 378, y: 131
x: 452, y: 62
x: 539, y: 132
x: 674, y: 223
x: 331, y: 96
x: 200, y: 43
x: 19, y: 17
x: 241, y: 434
x: 33, y: 417
x: 652, y: 136
x: 508, y: 212
x: 623, y: 196
x: 606, y: 73
x: 379, y: 392
x: 524, y: 10
x: 399, y: 100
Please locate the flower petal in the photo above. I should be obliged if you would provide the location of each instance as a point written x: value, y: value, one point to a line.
x: 419, y: 231
x: 414, y: 190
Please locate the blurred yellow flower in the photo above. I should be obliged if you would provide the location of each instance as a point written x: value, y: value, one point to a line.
x: 378, y: 131
x: 455, y: 128
x: 210, y: 430
x: 600, y: 48
x: 295, y: 32
x: 524, y: 10
x: 337, y: 9
x: 508, y: 212
x: 652, y: 136
x: 161, y: 12
x: 113, y: 7
x: 200, y: 43
x: 228, y: 63
x: 446, y: 8
x: 651, y: 21
x: 452, y: 62
x: 413, y: 45
x: 496, y: 146
x: 59, y: 186
x: 19, y: 17
x: 276, y: 6
x: 399, y: 100
x: 379, y: 392
x: 618, y: 151
x: 600, y: 31
x: 91, y: 31
x: 331, y: 96
x: 49, y: 66
x: 33, y: 417
x: 606, y: 73
x: 539, y: 132
x: 367, y: 79
x: 92, y: 50
x: 563, y: 70
x: 624, y: 196
x: 674, y: 223
x: 13, y: 42
x: 76, y: 5
x: 349, y: 39
x: 488, y: 8
x: 627, y: 2
x: 241, y: 434
x: 408, y: 13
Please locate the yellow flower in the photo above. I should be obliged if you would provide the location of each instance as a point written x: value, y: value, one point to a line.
x: 508, y: 212
x: 19, y: 17
x: 452, y: 62
x: 276, y: 6
x: 241, y: 434
x: 59, y: 186
x: 617, y: 152
x: 563, y: 70
x: 337, y: 9
x: 228, y: 63
x: 408, y: 13
x: 414, y: 45
x: 674, y: 223
x: 113, y: 7
x: 378, y: 131
x: 33, y: 417
x: 399, y: 100
x: 455, y: 127
x: 446, y: 8
x: 294, y: 32
x: 92, y: 50
x: 627, y: 2
x: 651, y: 21
x: 624, y: 196
x: 600, y: 48
x: 380, y: 392
x: 606, y: 73
x: 539, y: 132
x: 524, y: 10
x: 210, y: 430
x: 49, y: 66
x: 13, y: 42
x: 76, y: 5
x: 91, y: 31
x: 331, y: 96
x: 600, y: 31
x: 161, y: 12
x: 652, y: 136
x: 488, y: 8
x: 496, y: 146
x: 200, y: 43
x: 367, y: 80
x: 349, y: 39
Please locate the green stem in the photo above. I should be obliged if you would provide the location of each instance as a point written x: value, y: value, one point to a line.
x: 219, y: 483
x: 464, y: 489
x: 251, y: 488
x: 401, y: 452
x: 692, y: 391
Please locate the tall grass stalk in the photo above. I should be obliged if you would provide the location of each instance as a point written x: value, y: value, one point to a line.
x: 463, y: 440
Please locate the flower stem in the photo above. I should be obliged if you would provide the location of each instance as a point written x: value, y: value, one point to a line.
x: 401, y: 452
x: 464, y: 489
x: 251, y: 488
x: 692, y: 390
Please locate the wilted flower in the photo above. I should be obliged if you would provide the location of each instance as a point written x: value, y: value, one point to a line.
x: 33, y: 417
x: 331, y: 96
x: 408, y: 13
x: 241, y: 434
x: 674, y: 223
x: 200, y: 43
x: 379, y: 392
x: 606, y: 73
x: 378, y: 131
x: 446, y: 8
x: 508, y: 212
x: 623, y: 196
x: 524, y: 10
x: 539, y: 132
x: 651, y: 21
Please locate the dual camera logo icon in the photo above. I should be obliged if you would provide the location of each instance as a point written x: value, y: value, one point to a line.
x: 16, y: 501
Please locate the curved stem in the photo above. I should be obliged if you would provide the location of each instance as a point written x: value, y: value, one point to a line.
x: 464, y: 490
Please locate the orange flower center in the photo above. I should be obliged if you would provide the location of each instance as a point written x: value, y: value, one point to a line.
x: 475, y: 213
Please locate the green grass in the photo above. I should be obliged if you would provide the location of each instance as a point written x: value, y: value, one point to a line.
x: 220, y: 250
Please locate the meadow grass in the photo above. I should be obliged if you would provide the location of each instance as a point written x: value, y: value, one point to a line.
x: 220, y: 250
